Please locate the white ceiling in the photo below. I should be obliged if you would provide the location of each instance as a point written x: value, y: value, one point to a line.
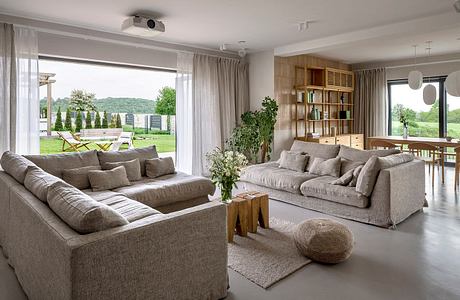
x: 264, y: 24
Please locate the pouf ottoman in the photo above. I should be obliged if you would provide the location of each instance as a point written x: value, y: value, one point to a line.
x: 324, y: 240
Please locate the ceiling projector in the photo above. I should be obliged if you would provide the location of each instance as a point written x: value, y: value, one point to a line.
x: 143, y: 26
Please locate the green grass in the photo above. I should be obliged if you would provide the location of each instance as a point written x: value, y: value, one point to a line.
x: 427, y: 129
x: 164, y: 143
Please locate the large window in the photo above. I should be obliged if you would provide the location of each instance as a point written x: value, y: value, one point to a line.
x: 424, y: 120
x: 94, y: 95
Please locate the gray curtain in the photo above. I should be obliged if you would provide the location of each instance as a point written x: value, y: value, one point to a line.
x: 220, y: 96
x: 7, y: 88
x: 371, y: 104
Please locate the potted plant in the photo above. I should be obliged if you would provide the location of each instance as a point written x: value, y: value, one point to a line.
x: 225, y: 168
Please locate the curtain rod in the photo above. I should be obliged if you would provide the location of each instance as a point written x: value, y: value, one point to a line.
x: 411, y: 65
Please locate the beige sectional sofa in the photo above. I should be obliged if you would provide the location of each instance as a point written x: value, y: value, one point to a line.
x: 172, y: 244
x: 399, y: 190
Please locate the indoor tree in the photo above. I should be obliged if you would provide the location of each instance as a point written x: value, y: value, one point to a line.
x: 166, y: 104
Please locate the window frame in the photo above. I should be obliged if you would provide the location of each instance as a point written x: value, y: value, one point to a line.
x: 442, y: 101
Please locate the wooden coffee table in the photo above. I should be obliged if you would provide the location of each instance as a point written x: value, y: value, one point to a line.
x: 245, y: 212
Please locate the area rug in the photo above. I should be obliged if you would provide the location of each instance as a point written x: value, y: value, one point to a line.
x: 267, y: 256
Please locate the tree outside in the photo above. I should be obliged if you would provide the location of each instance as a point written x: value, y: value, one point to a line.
x: 68, y: 119
x: 78, y: 122
x: 105, y: 121
x: 58, y: 124
x: 166, y: 104
x: 88, y: 124
x: 97, y: 121
x: 81, y: 100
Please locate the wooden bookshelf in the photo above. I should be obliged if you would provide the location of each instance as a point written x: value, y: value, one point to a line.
x: 323, y: 100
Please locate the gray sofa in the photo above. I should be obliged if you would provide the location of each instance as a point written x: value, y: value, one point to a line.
x: 399, y: 191
x: 173, y: 247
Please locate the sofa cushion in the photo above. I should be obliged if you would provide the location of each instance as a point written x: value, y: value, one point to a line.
x: 109, y: 179
x: 38, y: 182
x: 157, y: 167
x: 15, y: 165
x: 315, y: 150
x: 294, y: 161
x: 78, y: 177
x: 330, y: 167
x: 368, y: 176
x: 81, y: 212
x: 56, y: 163
x: 363, y: 155
x: 132, y: 167
x: 322, y: 188
x: 395, y: 159
x: 272, y: 176
x: 116, y: 156
x: 130, y: 209
x: 168, y: 189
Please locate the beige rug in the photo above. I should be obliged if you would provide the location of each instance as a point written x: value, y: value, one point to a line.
x: 267, y: 256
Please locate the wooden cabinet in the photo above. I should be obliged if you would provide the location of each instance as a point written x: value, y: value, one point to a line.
x: 350, y: 140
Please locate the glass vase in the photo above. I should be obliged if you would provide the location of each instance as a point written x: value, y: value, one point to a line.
x: 405, y: 132
x: 226, y: 193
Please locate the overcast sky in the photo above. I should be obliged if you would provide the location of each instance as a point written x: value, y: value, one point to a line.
x: 105, y: 81
x: 403, y: 94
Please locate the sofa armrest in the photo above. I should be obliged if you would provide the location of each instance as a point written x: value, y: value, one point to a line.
x: 402, y: 187
x: 181, y: 255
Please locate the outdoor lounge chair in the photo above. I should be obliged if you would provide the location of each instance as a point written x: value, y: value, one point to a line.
x: 126, y: 138
x: 74, y: 144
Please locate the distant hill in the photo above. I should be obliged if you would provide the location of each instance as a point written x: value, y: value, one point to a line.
x: 111, y: 105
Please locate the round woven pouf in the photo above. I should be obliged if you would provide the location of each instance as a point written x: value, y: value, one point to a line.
x: 324, y: 240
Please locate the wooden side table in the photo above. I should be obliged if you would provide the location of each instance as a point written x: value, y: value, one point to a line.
x: 258, y: 210
x: 237, y: 218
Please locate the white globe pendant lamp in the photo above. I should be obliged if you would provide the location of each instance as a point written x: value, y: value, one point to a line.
x: 453, y: 84
x: 429, y: 94
x: 415, y: 78
x: 429, y: 91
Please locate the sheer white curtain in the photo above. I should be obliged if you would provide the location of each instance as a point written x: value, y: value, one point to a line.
x: 27, y: 95
x: 211, y: 94
x: 184, y: 116
x: 19, y: 102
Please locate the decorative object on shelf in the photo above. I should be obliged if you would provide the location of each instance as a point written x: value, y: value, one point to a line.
x: 429, y: 91
x: 415, y: 77
x: 453, y: 84
x: 333, y: 131
x: 225, y: 168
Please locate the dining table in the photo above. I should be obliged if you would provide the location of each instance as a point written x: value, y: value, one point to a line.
x: 441, y: 143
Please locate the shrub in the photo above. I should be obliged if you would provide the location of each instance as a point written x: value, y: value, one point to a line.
x: 68, y: 120
x: 58, y: 125
x: 78, y: 122
x: 105, y: 121
x: 118, y: 121
x: 88, y: 121
x: 97, y: 121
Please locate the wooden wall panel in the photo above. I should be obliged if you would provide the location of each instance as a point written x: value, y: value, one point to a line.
x: 284, y: 83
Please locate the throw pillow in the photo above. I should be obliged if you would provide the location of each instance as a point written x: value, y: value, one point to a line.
x: 81, y: 212
x: 133, y: 168
x: 15, y: 165
x: 293, y: 161
x: 347, y: 165
x: 115, y: 156
x: 108, y: 180
x: 38, y: 182
x: 345, y: 179
x: 395, y: 159
x: 78, y: 177
x: 368, y: 176
x: 330, y: 167
x: 157, y: 167
x: 356, y: 173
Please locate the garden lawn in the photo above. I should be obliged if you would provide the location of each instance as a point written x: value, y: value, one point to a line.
x: 164, y: 143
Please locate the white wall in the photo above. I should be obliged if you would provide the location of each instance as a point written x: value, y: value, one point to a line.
x: 438, y: 69
x: 261, y: 77
x: 87, y: 49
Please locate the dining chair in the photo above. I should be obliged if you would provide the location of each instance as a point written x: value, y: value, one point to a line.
x: 457, y: 167
x: 375, y: 144
x: 428, y: 153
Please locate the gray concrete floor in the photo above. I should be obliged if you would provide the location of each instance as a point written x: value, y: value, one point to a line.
x: 418, y: 260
